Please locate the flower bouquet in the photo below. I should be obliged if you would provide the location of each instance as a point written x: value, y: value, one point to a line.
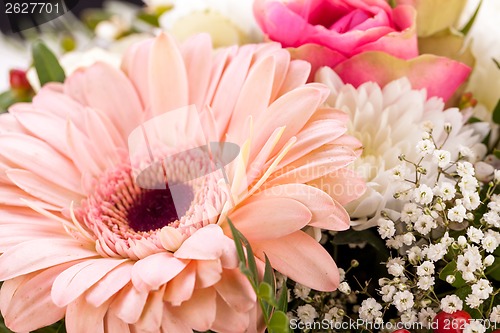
x: 223, y: 166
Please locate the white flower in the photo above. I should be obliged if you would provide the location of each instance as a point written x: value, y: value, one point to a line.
x: 495, y: 314
x: 425, y: 147
x: 370, y: 310
x: 496, y: 174
x: 471, y: 200
x: 425, y: 224
x: 334, y: 314
x: 399, y: 172
x: 475, y: 235
x: 492, y: 218
x: 446, y: 190
x: 423, y: 194
x: 474, y: 327
x: 462, y: 241
x: 301, y: 291
x: 307, y: 313
x: 342, y: 274
x: 414, y: 255
x: 408, y: 238
x: 441, y: 157
x: 482, y: 289
x: 490, y: 241
x: 403, y: 300
x: 344, y: 288
x: 389, y: 136
x: 466, y: 152
x: 425, y: 282
x: 457, y: 213
x: 451, y: 303
x: 468, y: 183
x: 395, y: 266
x: 410, y: 212
x: 409, y: 316
x: 446, y: 239
x: 465, y: 169
x: 435, y: 252
x: 489, y: 260
x: 386, y: 228
x: 395, y: 243
x: 228, y: 22
x: 473, y: 301
x: 426, y: 316
x: 387, y: 292
x: 426, y: 268
x: 469, y: 261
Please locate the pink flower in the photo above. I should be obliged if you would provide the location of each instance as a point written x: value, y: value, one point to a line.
x: 362, y: 40
x: 84, y: 238
x: 337, y: 29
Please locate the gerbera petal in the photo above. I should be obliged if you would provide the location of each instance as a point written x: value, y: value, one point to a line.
x: 297, y: 253
x: 168, y: 78
x: 189, y: 312
x: 108, y: 286
x: 228, y: 320
x: 114, y: 324
x: 38, y: 254
x: 257, y: 219
x: 344, y: 185
x: 181, y: 287
x: 151, y: 317
x: 172, y: 323
x: 205, y: 244
x: 129, y: 304
x: 74, y: 281
x: 339, y: 220
x: 92, y: 321
x: 147, y: 275
x: 208, y: 273
x: 12, y: 235
x: 26, y: 303
x: 236, y: 290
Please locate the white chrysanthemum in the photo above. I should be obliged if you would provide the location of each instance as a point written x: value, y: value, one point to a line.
x: 379, y: 118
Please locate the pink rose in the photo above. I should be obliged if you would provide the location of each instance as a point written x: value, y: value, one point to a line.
x: 362, y: 40
x: 343, y: 28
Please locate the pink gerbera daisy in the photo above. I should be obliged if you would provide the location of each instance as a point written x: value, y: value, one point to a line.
x: 82, y: 239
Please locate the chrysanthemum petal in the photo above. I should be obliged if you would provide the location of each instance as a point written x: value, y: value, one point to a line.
x: 284, y: 254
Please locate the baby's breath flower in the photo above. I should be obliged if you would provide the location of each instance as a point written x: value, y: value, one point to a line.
x: 403, y: 300
x: 426, y: 316
x: 482, y: 289
x: 307, y: 313
x: 344, y: 288
x: 441, y: 157
x: 425, y: 224
x: 475, y: 235
x: 387, y: 293
x: 425, y: 147
x: 408, y: 238
x: 457, y: 213
x: 474, y: 327
x: 473, y: 301
x: 425, y: 282
x: 423, y: 194
x: 426, y: 268
x: 495, y: 314
x: 489, y: 260
x: 465, y: 169
x: 409, y: 317
x: 301, y: 291
x: 370, y: 310
x: 446, y: 190
x: 451, y: 303
x: 414, y: 255
x: 490, y: 241
x: 386, y: 228
x: 395, y: 266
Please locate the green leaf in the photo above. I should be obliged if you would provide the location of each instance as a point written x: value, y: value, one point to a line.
x: 150, y: 19
x: 451, y: 269
x: 496, y: 113
x: 269, y: 274
x: 283, y: 300
x: 237, y: 242
x: 496, y: 152
x: 47, y: 67
x: 465, y: 30
x: 278, y: 323
x: 252, y: 265
x: 496, y: 63
x: 7, y: 98
x: 266, y: 293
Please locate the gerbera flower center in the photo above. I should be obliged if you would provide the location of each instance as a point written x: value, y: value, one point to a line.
x: 155, y: 208
x: 127, y: 210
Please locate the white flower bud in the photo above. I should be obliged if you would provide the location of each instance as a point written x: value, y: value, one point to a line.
x: 462, y: 241
x: 344, y: 288
x: 488, y: 261
x: 450, y: 279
